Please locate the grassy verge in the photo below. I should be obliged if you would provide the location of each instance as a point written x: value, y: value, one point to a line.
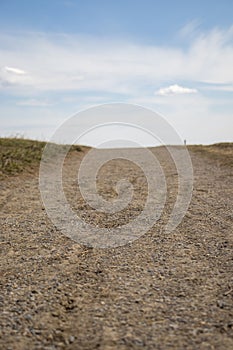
x: 17, y: 154
x: 219, y: 152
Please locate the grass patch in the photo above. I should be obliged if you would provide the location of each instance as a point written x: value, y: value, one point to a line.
x: 219, y: 152
x: 18, y: 154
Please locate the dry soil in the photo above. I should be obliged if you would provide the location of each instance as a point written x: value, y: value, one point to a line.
x: 159, y: 292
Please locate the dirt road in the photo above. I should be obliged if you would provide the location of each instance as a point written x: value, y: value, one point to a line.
x: 160, y: 292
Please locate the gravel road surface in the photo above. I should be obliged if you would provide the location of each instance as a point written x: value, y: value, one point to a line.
x: 162, y: 291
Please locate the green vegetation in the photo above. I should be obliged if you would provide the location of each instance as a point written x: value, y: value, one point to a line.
x: 17, y: 154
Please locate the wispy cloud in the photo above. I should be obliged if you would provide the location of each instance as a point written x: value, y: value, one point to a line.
x: 11, y: 77
x: 66, y: 62
x: 190, y: 30
x: 14, y: 70
x: 175, y: 90
x: 219, y: 87
x: 65, y: 73
x: 34, y: 103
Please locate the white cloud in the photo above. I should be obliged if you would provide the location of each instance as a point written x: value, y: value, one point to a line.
x: 101, y: 70
x: 197, y: 118
x: 175, y: 90
x: 15, y: 70
x: 65, y: 62
x: 13, y: 77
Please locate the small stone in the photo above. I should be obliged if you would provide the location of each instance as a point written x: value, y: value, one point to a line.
x: 220, y: 304
x: 28, y: 317
x: 71, y: 339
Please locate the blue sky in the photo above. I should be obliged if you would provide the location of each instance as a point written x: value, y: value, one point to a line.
x: 59, y: 57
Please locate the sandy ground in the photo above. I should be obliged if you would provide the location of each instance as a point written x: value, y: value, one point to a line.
x: 160, y: 292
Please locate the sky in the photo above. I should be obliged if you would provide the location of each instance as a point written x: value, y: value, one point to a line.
x: 60, y: 57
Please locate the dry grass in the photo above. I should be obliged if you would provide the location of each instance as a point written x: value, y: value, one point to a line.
x: 17, y: 154
x: 219, y: 152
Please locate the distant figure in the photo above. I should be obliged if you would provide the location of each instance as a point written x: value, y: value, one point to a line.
x: 185, y: 142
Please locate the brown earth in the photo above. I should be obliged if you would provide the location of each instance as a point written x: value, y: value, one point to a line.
x: 160, y: 292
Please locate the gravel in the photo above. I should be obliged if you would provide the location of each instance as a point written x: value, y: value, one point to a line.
x: 162, y: 291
